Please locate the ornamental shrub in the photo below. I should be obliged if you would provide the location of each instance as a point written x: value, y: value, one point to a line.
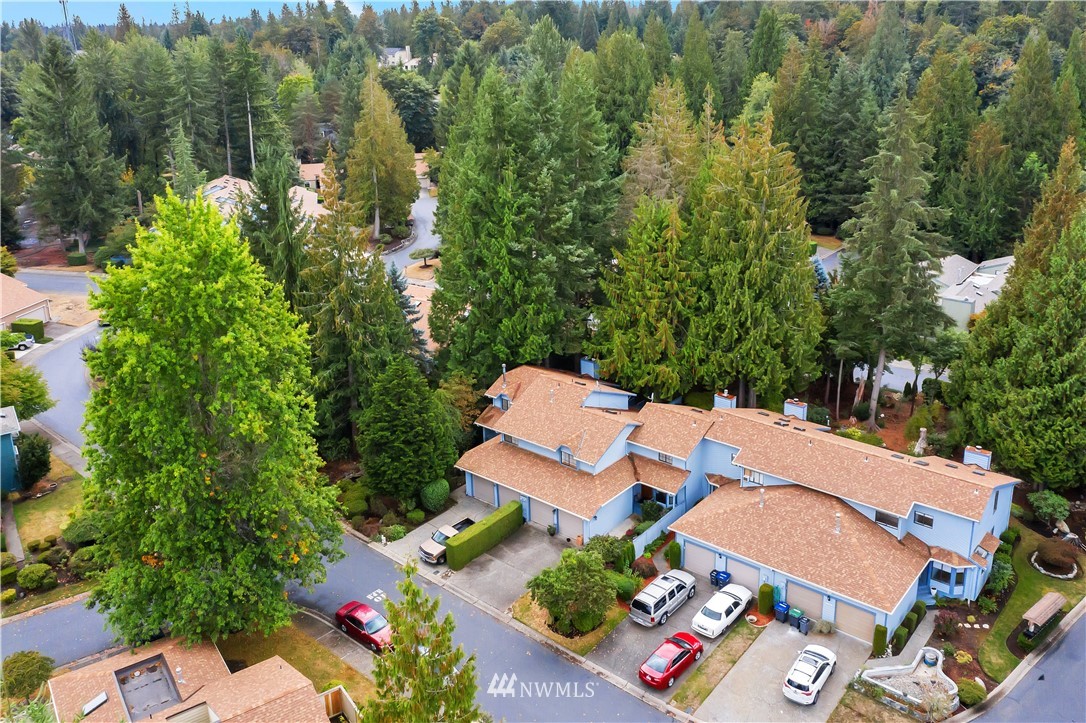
x: 8, y: 575
x: 878, y: 647
x: 34, y: 458
x: 25, y: 672
x: 625, y: 585
x: 85, y: 529
x: 987, y: 605
x: 357, y: 522
x: 651, y: 511
x: 434, y: 495
x: 901, y: 635
x: 86, y: 560
x: 765, y: 599
x: 8, y: 596
x: 609, y: 549
x: 390, y: 519
x: 999, y: 579
x: 1056, y: 555
x: 970, y: 692
x: 355, y: 500
x: 948, y: 650
x: 910, y: 622
x: 1004, y: 549
x: 576, y: 593
x: 862, y: 411
x: 963, y: 657
x: 50, y: 540
x: 34, y: 546
x: 674, y: 555
x: 394, y: 532
x: 415, y: 517
x: 77, y: 259
x: 920, y: 610
x: 629, y: 552
x: 1049, y: 506
x: 6, y: 559
x: 860, y: 435
x: 644, y: 567
x: 642, y: 527
x: 1011, y: 535
x: 54, y: 557
x: 37, y: 577
x: 818, y: 415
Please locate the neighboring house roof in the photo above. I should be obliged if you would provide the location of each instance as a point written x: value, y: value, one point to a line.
x: 672, y: 429
x: 962, y: 280
x: 860, y: 472
x: 18, y: 299
x: 549, y: 412
x: 311, y: 172
x: 9, y: 421
x: 794, y: 532
x: 226, y: 192
x: 421, y: 167
x: 421, y: 295
x: 520, y: 377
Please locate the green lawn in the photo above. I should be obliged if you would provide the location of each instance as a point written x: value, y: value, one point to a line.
x: 712, y: 670
x: 995, y: 658
x: 312, y: 659
x: 36, y: 600
x: 536, y: 618
x: 48, y: 515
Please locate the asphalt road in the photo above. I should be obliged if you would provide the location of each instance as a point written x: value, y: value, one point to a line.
x: 60, y: 282
x: 423, y: 211
x: 62, y: 366
x: 71, y: 632
x: 1055, y: 690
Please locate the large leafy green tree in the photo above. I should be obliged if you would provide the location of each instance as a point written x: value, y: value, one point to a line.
x: 640, y: 342
x: 24, y: 388
x: 199, y: 439
x: 415, y: 102
x: 756, y: 321
x: 425, y: 676
x: 1023, y: 375
x: 886, y: 298
x: 76, y: 180
x: 404, y: 442
x: 381, y: 182
x: 576, y: 593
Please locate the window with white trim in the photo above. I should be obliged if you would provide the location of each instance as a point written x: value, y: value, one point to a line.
x: 941, y: 576
x: 503, y: 403
x: 510, y: 440
x: 922, y: 519
x: 886, y: 519
x: 567, y: 458
x: 665, y: 458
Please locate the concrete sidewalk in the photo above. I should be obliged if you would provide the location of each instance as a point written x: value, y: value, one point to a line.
x: 12, y: 541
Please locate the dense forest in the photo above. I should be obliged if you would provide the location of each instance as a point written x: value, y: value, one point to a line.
x: 638, y: 183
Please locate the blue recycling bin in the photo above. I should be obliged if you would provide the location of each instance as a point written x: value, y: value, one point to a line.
x: 781, y: 610
x: 719, y: 578
x: 804, y: 624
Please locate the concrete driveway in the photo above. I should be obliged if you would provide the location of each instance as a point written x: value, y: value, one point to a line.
x: 751, y: 691
x: 408, y: 548
x: 623, y: 651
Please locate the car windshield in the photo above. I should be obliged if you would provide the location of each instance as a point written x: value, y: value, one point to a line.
x: 641, y: 606
x: 375, y: 624
x: 657, y: 663
x: 708, y: 612
x: 440, y: 536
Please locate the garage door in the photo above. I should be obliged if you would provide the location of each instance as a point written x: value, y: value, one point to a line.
x: 569, y: 526
x: 744, y: 574
x: 804, y: 598
x: 854, y: 621
x: 505, y: 494
x: 698, y: 560
x: 484, y: 490
x: 541, y: 513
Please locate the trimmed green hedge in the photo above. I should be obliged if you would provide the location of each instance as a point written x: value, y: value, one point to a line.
x: 878, y: 646
x: 483, y: 535
x: 765, y: 599
x: 1011, y: 536
x: 920, y: 609
x: 77, y: 259
x: 8, y: 574
x: 34, y: 327
x: 901, y: 636
x: 1028, y: 644
x: 910, y: 622
x: 674, y: 555
x: 970, y: 692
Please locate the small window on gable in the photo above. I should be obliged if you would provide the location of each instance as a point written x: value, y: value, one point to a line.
x: 886, y: 519
x: 567, y: 458
x: 923, y: 520
x: 503, y: 403
x: 510, y: 440
x: 665, y: 458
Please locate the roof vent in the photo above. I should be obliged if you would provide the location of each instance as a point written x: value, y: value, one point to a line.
x: 810, y: 442
x: 979, y: 472
x: 761, y: 497
x: 865, y: 458
x: 781, y: 423
x: 895, y: 455
x: 503, y: 376
x: 764, y: 414
x: 921, y: 462
x: 824, y: 429
x: 800, y: 429
x: 952, y: 465
x: 837, y: 520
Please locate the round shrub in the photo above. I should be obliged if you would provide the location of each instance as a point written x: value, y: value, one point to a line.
x: 434, y: 495
x: 54, y: 557
x: 625, y: 585
x: 355, y: 500
x: 765, y: 599
x: 37, y: 577
x: 644, y: 567
x: 415, y: 517
x: 34, y: 459
x: 1011, y: 535
x: 6, y: 559
x: 390, y: 519
x: 862, y: 411
x: 34, y: 546
x: 1049, y: 506
x: 8, y: 596
x: 25, y: 672
x: 394, y: 532
x: 970, y: 692
x: 85, y: 560
x: 86, y: 529
x: 8, y: 575
x: 1056, y: 554
x: 50, y: 540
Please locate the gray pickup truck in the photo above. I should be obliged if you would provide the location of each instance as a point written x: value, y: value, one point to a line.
x: 433, y: 550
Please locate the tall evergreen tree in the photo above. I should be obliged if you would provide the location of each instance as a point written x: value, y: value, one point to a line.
x: 153, y: 89
x: 696, y: 67
x: 887, y: 54
x: 186, y: 178
x: 272, y: 221
x: 979, y: 197
x: 731, y: 71
x: 100, y: 67
x: 756, y: 321
x: 1022, y: 378
x: 590, y: 26
x: 1075, y: 61
x: 658, y: 48
x: 381, y: 164
x: 947, y: 102
x: 195, y: 104
x: 220, y: 87
x: 1068, y: 105
x: 624, y: 79
x: 887, y: 292
x: 413, y: 316
x: 852, y: 133
x: 204, y: 424
x: 124, y: 23
x: 642, y: 331
x: 766, y: 47
x: 250, y: 100
x: 1029, y: 113
x: 76, y: 180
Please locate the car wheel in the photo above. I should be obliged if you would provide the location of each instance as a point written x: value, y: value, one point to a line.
x: 691, y: 594
x: 670, y: 682
x: 697, y: 655
x: 343, y: 628
x: 833, y: 667
x: 814, y: 701
x: 441, y: 560
x: 663, y: 618
x: 374, y: 648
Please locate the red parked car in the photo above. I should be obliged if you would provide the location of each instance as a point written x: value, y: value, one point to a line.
x: 668, y: 661
x: 365, y: 625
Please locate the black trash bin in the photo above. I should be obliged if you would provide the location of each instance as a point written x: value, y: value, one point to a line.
x: 781, y: 611
x: 804, y: 624
x: 795, y: 614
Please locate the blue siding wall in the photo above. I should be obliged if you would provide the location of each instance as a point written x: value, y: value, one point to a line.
x: 610, y: 515
x: 605, y: 398
x: 615, y: 452
x: 9, y: 474
x: 653, y: 454
x: 949, y: 531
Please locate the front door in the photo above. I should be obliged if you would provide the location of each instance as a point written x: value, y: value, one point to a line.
x: 526, y: 507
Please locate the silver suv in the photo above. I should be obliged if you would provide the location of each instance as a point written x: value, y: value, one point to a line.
x: 662, y: 597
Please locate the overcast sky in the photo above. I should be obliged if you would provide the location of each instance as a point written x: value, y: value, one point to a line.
x: 48, y: 12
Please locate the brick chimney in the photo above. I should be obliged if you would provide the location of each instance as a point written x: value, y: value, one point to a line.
x: 978, y: 456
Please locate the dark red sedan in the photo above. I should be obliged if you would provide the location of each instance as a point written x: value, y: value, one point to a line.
x: 365, y: 625
x: 668, y: 661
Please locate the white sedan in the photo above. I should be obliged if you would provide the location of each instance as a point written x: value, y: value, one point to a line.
x: 723, y: 609
x: 809, y: 674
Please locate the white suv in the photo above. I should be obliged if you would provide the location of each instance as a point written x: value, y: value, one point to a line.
x: 809, y: 674
x: 662, y: 597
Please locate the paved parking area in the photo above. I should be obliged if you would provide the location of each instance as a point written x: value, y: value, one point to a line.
x: 500, y: 576
x: 751, y: 691
x: 407, y: 548
x: 623, y: 651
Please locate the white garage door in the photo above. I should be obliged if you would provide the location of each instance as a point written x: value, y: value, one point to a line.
x: 698, y: 560
x: 744, y: 574
x: 505, y: 494
x: 541, y: 513
x: 569, y: 526
x: 854, y: 621
x: 484, y: 490
x: 804, y: 598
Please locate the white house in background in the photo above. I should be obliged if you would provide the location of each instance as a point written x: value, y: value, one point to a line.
x: 226, y: 193
x: 311, y: 174
x: 965, y: 288
x: 399, y: 56
x: 19, y: 301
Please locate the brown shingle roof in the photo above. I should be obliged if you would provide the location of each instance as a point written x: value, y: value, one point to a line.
x: 657, y: 474
x: 671, y: 428
x: 548, y: 412
x: 15, y: 297
x: 545, y: 479
x: 941, y: 554
x: 522, y: 376
x: 794, y: 532
x: 989, y: 543
x: 853, y: 470
x: 489, y: 417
